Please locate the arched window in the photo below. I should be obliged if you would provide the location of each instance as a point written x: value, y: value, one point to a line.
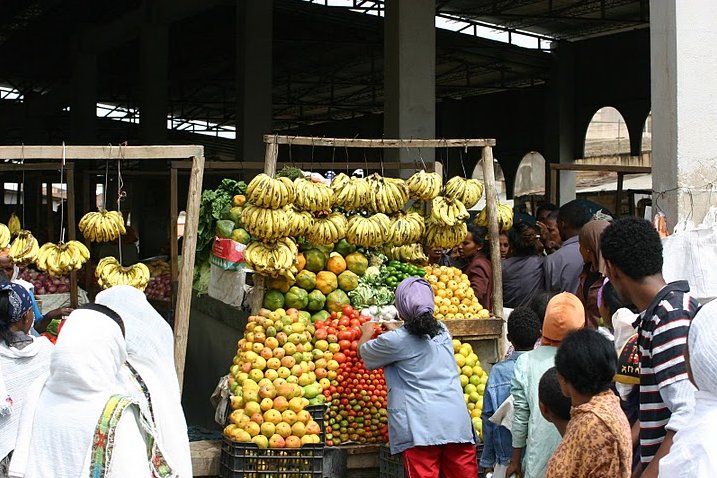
x: 530, y: 178
x: 646, y: 146
x: 499, y: 182
x: 607, y: 134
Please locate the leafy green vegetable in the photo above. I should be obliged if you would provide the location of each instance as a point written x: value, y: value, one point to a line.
x: 290, y: 172
x: 213, y: 204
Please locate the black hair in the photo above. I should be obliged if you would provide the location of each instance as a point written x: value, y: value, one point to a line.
x: 423, y: 324
x: 587, y: 361
x: 539, y: 303
x: 550, y: 395
x: 3, y: 277
x: 523, y: 238
x: 553, y: 215
x: 523, y: 328
x: 576, y: 213
x: 5, y: 332
x: 546, y: 206
x: 634, y: 246
x: 480, y: 237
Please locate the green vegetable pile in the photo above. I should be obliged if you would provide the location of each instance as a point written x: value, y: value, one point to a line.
x: 372, y: 290
x: 397, y: 271
x: 213, y: 204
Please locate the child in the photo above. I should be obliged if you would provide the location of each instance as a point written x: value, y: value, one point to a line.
x: 554, y: 406
x: 523, y: 331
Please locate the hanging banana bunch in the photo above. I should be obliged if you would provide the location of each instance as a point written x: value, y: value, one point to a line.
x: 448, y: 212
x: 273, y: 259
x: 424, y: 186
x: 60, y: 259
x: 387, y: 195
x: 368, y: 231
x: 467, y: 191
x: 327, y: 229
x: 445, y: 237
x: 265, y: 224
x: 505, y: 217
x: 299, y: 221
x: 409, y: 253
x: 5, y: 236
x: 350, y: 194
x: 264, y: 191
x: 312, y: 196
x: 24, y: 248
x: 406, y: 228
x: 102, y: 226
x: 14, y: 225
x: 110, y: 273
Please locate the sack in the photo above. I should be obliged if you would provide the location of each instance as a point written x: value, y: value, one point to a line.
x: 228, y: 254
x: 691, y: 254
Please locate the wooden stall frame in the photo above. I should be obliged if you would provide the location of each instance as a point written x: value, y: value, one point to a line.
x: 271, y: 158
x: 621, y: 171
x: 122, y: 153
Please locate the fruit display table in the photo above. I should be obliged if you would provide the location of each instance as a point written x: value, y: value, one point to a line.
x: 484, y: 335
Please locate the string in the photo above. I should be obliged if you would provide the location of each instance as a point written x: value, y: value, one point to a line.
x: 463, y: 166
x: 22, y: 161
x: 120, y: 196
x: 62, y: 202
x: 107, y: 174
x: 346, y: 148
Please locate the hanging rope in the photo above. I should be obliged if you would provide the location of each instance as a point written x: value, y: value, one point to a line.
x: 22, y: 161
x: 120, y: 196
x: 62, y: 200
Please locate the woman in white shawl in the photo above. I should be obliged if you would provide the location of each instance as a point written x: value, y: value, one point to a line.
x: 150, y: 350
x: 694, y: 449
x: 78, y: 420
x: 22, y: 359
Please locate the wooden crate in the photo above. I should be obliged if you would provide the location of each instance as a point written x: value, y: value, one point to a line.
x: 475, y: 329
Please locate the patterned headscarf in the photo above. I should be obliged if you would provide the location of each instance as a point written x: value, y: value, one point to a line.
x: 414, y: 297
x: 20, y: 301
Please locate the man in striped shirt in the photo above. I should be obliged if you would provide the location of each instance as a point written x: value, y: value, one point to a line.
x: 632, y: 251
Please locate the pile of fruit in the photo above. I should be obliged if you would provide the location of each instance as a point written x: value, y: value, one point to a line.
x: 273, y: 381
x: 453, y: 295
x: 24, y: 248
x: 110, y: 272
x: 102, y: 226
x: 356, y: 396
x: 61, y: 259
x: 159, y: 286
x: 43, y: 282
x: 473, y: 379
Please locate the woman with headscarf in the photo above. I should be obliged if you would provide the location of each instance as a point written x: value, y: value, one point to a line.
x: 151, y: 373
x: 427, y: 416
x: 523, y: 271
x: 534, y: 438
x: 694, y: 448
x: 22, y: 359
x: 593, y: 274
x: 79, y: 420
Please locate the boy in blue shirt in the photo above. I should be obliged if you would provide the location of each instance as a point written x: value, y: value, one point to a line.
x: 523, y: 332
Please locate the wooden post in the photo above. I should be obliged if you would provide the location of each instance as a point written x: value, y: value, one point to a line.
x: 270, y: 157
x: 184, y: 292
x: 71, y: 227
x: 173, y: 240
x: 618, y: 193
x: 491, y: 203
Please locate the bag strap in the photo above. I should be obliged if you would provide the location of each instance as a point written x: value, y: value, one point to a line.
x: 104, y: 436
x: 103, y: 309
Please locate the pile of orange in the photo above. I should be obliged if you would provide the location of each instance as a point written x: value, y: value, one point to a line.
x: 453, y: 296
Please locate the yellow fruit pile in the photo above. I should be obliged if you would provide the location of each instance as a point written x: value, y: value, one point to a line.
x: 272, y: 381
x: 453, y: 296
x: 473, y: 379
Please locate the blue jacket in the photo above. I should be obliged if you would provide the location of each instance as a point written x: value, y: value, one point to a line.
x: 498, y: 446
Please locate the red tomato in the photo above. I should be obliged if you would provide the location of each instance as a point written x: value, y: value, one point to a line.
x: 340, y: 358
x: 320, y: 334
x: 346, y: 334
x: 344, y: 344
x: 347, y: 309
x: 345, y: 321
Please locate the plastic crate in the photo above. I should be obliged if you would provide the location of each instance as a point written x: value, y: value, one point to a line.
x: 317, y: 414
x: 246, y: 460
x: 391, y: 466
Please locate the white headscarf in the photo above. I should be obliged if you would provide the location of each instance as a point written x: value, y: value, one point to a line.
x: 702, y: 347
x: 64, y: 406
x: 150, y: 349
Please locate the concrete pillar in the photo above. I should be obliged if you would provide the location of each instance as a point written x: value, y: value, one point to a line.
x: 561, y: 119
x: 684, y: 107
x: 253, y: 77
x: 154, y: 73
x: 410, y: 75
x: 83, y: 106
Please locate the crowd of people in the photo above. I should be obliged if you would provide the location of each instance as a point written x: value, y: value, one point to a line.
x: 103, y: 401
x: 611, y: 371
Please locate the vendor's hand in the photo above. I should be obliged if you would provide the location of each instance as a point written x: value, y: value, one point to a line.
x: 514, y: 469
x: 367, y: 329
x: 59, y: 313
x: 391, y: 326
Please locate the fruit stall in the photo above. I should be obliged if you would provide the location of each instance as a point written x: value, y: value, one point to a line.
x: 324, y: 255
x: 53, y: 266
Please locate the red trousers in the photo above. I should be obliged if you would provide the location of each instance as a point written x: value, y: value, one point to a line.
x: 454, y: 460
